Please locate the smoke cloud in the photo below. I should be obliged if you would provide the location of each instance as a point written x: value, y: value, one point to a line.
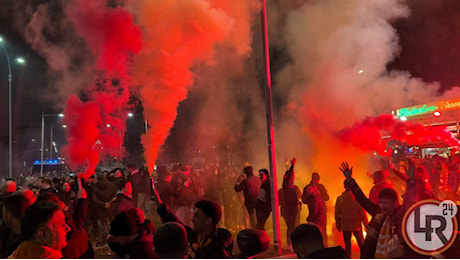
x: 337, y: 77
x: 113, y: 39
x: 177, y: 34
x: 51, y: 34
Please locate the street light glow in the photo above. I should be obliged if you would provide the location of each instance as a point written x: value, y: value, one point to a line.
x: 130, y: 114
x: 1, y: 39
x: 108, y: 125
x: 61, y: 115
x: 64, y: 126
x: 20, y: 60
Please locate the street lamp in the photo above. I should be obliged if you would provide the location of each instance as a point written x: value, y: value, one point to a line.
x: 121, y: 144
x: 52, y: 143
x: 146, y: 125
x: 10, y: 121
x: 43, y: 137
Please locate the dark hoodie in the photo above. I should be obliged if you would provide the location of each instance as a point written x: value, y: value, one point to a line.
x: 103, y: 191
x: 221, y: 241
x: 290, y: 194
x: 121, y: 203
x: 140, y: 248
x: 349, y: 215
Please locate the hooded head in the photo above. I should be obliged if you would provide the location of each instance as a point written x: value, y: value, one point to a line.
x: 315, y: 177
x: 378, y: 177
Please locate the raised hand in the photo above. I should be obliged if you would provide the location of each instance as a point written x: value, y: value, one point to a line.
x: 346, y: 170
x: 156, y: 197
x: 410, y: 169
x: 82, y: 194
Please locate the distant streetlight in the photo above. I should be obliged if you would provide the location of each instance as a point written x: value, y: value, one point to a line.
x: 10, y: 121
x: 52, y: 143
x: 43, y: 138
x: 146, y: 125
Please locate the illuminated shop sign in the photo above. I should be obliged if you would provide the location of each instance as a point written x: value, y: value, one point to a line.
x: 416, y: 110
x: 428, y: 108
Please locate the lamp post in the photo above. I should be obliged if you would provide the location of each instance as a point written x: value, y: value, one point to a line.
x: 42, y: 150
x: 146, y: 125
x: 10, y: 121
x: 271, y: 134
x: 52, y: 144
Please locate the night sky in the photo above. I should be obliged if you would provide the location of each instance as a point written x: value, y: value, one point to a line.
x: 430, y: 49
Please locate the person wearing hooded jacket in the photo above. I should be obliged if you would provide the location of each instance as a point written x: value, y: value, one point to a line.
x: 102, y: 194
x: 131, y: 235
x: 206, y: 240
x: 350, y: 218
x: 123, y: 199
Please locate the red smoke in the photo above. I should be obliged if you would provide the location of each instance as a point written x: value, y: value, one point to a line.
x: 113, y: 39
x: 367, y: 135
x: 83, y: 133
x: 177, y: 34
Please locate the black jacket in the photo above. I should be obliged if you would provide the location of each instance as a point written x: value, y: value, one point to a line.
x: 264, y: 202
x: 140, y: 248
x: 221, y: 244
x: 121, y: 203
x: 103, y: 192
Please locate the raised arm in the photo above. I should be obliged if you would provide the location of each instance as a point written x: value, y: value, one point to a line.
x: 241, y: 183
x: 290, y: 171
x: 166, y: 214
x: 79, y: 214
x: 366, y: 203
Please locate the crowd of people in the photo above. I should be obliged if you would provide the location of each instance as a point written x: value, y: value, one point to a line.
x: 186, y: 212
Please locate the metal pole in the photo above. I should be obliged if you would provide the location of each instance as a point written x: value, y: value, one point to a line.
x: 146, y: 125
x: 10, y: 126
x: 271, y: 137
x: 121, y: 149
x: 10, y: 121
x: 51, y: 143
x: 41, y: 150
